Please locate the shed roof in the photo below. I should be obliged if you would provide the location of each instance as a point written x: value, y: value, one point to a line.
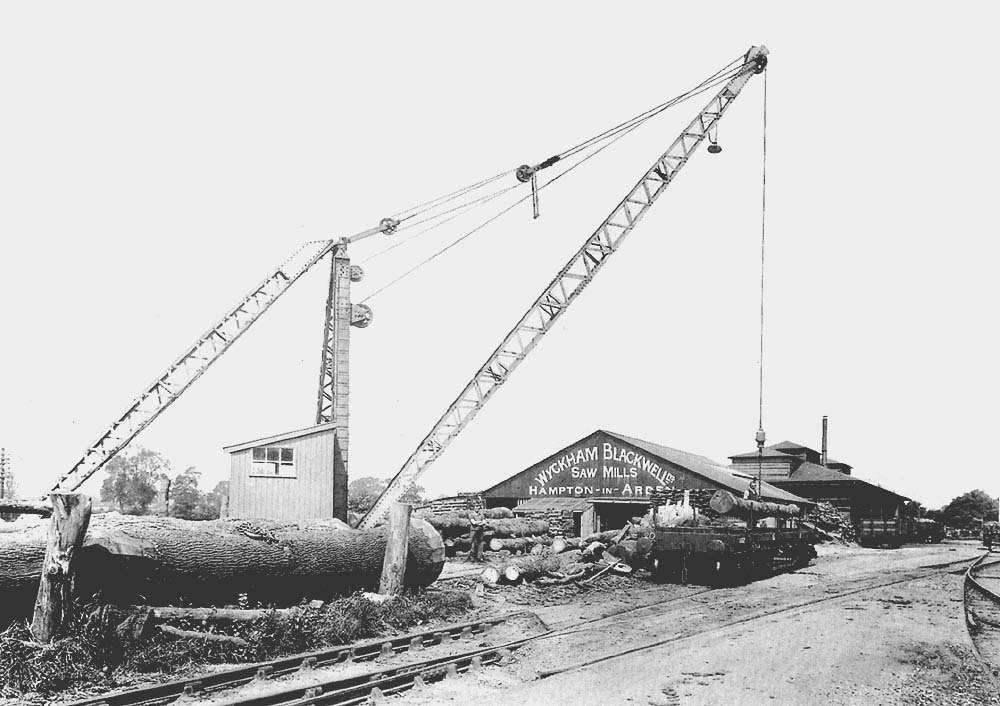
x: 786, y: 449
x: 553, y: 503
x: 815, y: 473
x: 278, y: 438
x: 768, y: 453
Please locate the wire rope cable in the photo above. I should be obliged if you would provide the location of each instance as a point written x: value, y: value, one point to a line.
x: 431, y: 204
x: 651, y: 112
x: 763, y: 231
x: 705, y: 85
x: 492, y: 218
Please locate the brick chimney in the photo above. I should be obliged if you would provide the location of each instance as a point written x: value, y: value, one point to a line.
x: 822, y: 458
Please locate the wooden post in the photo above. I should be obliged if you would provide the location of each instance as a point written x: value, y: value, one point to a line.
x: 396, y: 549
x: 70, y: 518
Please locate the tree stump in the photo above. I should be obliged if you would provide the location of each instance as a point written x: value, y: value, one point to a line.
x: 396, y: 548
x: 54, y: 603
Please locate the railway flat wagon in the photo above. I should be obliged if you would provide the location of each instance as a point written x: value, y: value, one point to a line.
x: 880, y: 533
x: 728, y: 555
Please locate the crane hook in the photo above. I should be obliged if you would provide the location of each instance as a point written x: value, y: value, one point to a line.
x: 713, y: 137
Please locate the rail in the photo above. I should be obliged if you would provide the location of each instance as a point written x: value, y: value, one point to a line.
x: 363, y: 688
x: 349, y: 687
x: 982, y: 617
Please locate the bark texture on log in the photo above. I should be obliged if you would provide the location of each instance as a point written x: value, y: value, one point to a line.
x: 28, y: 507
x: 234, y: 615
x: 205, y: 636
x: 561, y: 544
x: 515, y: 545
x: 725, y: 503
x: 530, y: 567
x: 159, y: 560
x: 454, y: 525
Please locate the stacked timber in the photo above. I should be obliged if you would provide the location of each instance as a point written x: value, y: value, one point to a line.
x: 574, y: 559
x: 455, y: 525
x: 828, y: 519
x: 463, y: 502
x: 699, y: 498
x: 127, y: 559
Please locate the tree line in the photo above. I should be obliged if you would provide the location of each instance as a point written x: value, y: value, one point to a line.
x: 141, y: 482
x: 967, y: 511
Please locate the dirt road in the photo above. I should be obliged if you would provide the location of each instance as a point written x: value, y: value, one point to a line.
x: 858, y: 626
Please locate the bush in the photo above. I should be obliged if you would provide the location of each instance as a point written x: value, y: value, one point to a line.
x: 98, y: 643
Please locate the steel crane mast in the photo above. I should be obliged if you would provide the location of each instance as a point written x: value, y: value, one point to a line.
x: 564, y: 288
x: 182, y: 373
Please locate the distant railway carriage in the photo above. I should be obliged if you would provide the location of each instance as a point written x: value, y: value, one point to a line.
x: 922, y: 529
x: 991, y: 534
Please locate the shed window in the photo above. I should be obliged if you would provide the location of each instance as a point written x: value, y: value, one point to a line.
x: 273, y: 461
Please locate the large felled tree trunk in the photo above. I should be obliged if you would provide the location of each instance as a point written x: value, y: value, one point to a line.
x: 158, y: 560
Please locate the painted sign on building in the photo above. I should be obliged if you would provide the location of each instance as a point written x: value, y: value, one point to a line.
x: 606, y: 468
x: 610, y: 467
x: 607, y: 465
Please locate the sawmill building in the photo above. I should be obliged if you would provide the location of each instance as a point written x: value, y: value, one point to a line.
x: 604, y: 479
x: 295, y: 475
x: 799, y: 469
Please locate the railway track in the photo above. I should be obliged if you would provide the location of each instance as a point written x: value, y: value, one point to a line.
x: 982, y: 611
x: 353, y: 689
x: 229, y: 688
x: 861, y: 587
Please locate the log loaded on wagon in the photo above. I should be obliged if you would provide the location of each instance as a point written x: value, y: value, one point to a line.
x: 731, y: 554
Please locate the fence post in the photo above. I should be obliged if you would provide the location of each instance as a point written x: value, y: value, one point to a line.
x: 396, y: 549
x: 54, y: 604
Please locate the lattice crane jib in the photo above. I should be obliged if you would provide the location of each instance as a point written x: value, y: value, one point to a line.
x: 565, y: 288
x: 182, y: 373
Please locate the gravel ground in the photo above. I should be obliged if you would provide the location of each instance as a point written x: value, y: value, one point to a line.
x: 903, y: 643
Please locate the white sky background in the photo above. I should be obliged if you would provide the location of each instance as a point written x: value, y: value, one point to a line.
x: 158, y: 160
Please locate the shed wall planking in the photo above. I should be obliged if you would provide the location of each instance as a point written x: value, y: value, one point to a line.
x: 309, y: 495
x: 770, y: 470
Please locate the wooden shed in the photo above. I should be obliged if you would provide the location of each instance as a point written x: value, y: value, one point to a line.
x: 295, y: 475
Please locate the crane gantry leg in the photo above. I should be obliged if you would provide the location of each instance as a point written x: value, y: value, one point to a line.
x: 332, y: 401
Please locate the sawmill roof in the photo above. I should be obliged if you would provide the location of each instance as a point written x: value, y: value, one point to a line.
x: 815, y: 473
x: 708, y: 468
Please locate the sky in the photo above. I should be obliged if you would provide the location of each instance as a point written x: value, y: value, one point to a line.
x: 157, y: 160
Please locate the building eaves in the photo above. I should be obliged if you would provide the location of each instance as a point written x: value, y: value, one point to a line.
x: 278, y: 438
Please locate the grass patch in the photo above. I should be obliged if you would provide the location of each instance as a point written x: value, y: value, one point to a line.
x: 100, y: 651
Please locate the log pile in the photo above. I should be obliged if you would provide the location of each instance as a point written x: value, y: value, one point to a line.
x: 725, y: 503
x: 829, y: 520
x: 581, y: 560
x: 457, y: 524
x: 127, y: 560
x: 500, y: 528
